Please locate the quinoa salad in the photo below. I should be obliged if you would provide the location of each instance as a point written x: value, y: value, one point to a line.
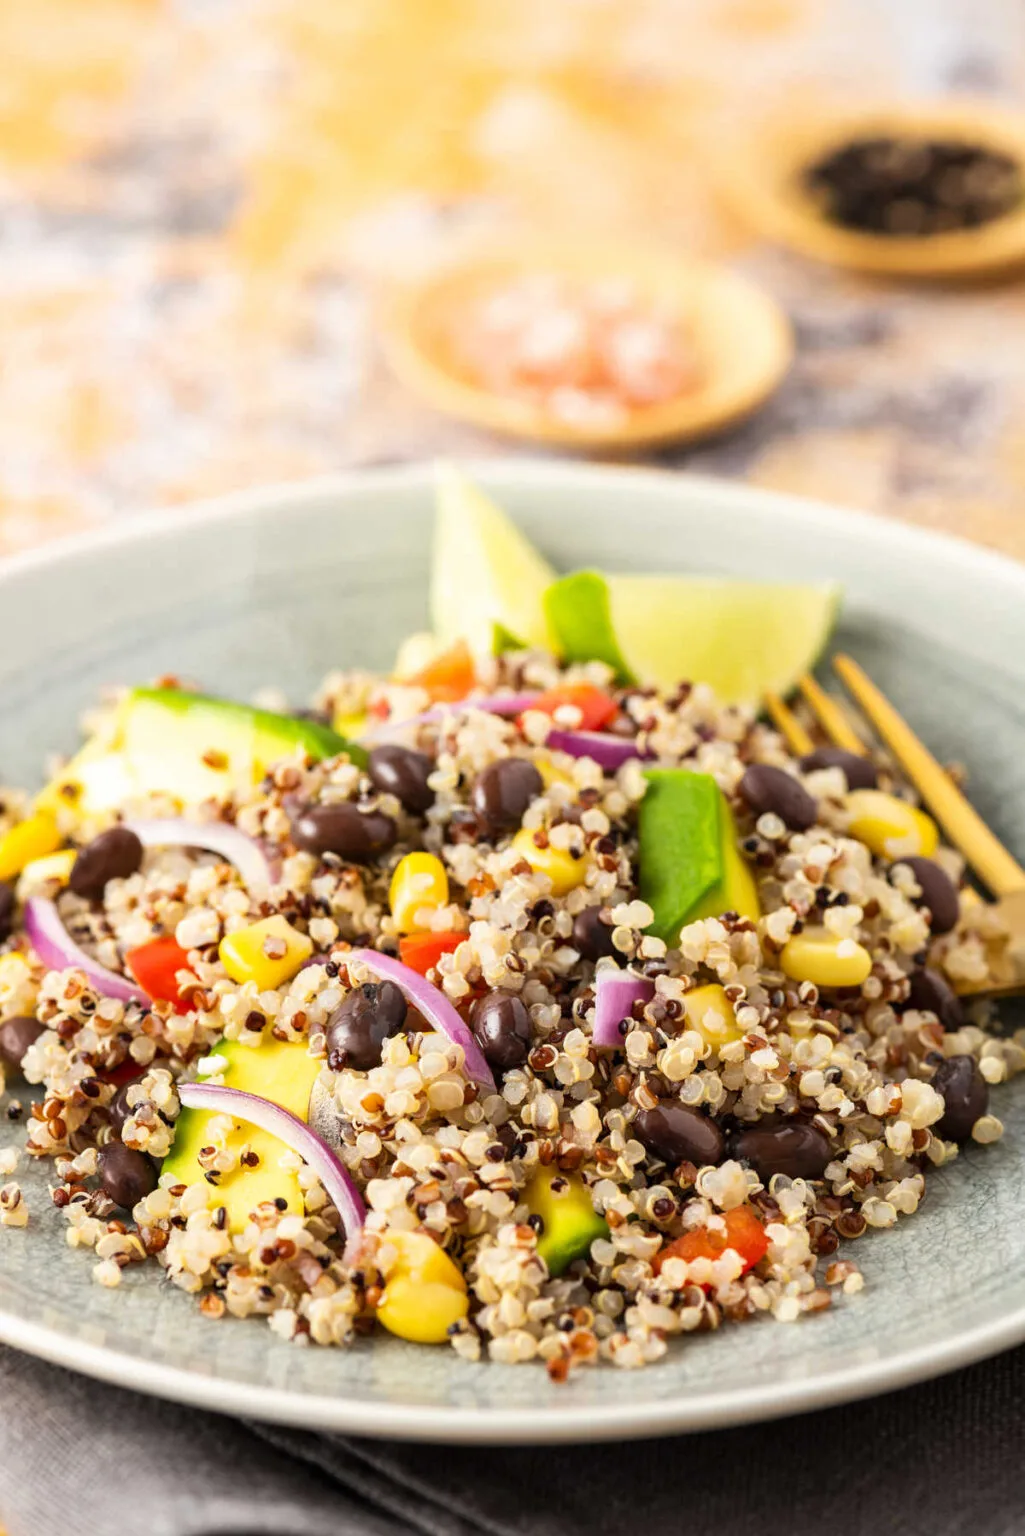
x: 504, y: 1008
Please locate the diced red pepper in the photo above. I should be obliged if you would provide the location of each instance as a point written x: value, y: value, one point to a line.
x: 744, y: 1234
x: 155, y: 965
x: 420, y: 951
x: 128, y: 1072
x: 449, y: 677
x: 596, y: 708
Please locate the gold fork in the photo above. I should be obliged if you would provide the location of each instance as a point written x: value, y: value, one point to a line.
x: 995, y: 866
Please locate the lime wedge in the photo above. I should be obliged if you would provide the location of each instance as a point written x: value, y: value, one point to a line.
x: 745, y: 638
x: 487, y: 580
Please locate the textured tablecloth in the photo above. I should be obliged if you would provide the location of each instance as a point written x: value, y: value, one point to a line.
x: 204, y: 203
x: 944, y: 1459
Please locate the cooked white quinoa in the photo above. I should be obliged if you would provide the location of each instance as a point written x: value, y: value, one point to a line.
x: 428, y: 1149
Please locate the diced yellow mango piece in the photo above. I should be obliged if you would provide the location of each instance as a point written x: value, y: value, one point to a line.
x: 821, y: 957
x: 33, y: 838
x: 420, y: 881
x: 709, y: 1011
x: 425, y: 1291
x: 55, y: 866
x: 268, y: 953
x: 891, y: 828
x: 562, y: 869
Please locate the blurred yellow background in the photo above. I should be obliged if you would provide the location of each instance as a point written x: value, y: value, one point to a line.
x: 201, y: 203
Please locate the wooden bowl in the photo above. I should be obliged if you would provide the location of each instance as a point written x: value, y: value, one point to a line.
x: 762, y: 178
x: 741, y: 337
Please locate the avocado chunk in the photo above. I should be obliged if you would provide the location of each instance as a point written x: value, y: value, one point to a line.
x: 570, y: 1221
x: 280, y: 1070
x: 188, y: 745
x: 736, y: 890
x: 680, y: 846
x: 690, y: 866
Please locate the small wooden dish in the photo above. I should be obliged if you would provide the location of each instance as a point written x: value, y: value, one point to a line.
x: 763, y: 179
x: 742, y: 340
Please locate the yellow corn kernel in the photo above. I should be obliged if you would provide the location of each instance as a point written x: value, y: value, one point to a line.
x: 891, y: 828
x: 424, y: 1293
x: 32, y: 838
x: 15, y: 971
x: 562, y: 869
x: 550, y: 774
x: 421, y: 1312
x: 821, y: 957
x: 268, y: 953
x: 56, y: 866
x: 350, y: 724
x: 419, y: 881
x: 710, y: 1012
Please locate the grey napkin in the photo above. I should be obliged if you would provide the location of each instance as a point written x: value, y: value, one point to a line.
x: 939, y: 1460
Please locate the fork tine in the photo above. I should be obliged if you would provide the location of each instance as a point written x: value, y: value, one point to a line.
x: 788, y: 725
x: 961, y: 822
x: 830, y: 716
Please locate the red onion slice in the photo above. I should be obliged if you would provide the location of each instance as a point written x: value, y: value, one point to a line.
x: 615, y: 994
x: 298, y: 1136
x: 58, y: 951
x: 432, y: 1004
x: 609, y: 752
x: 490, y: 703
x: 216, y: 836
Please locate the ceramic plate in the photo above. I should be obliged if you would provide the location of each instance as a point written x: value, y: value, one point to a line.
x: 278, y: 586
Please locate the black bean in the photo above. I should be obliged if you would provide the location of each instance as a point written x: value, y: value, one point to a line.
x: 775, y: 1145
x: 939, y: 892
x: 119, y: 1109
x: 359, y: 1026
x: 768, y: 789
x: 860, y: 772
x: 6, y: 910
x: 965, y: 1096
x: 503, y: 792
x: 114, y: 855
x: 16, y: 1035
x: 502, y: 1027
x: 342, y: 828
x: 401, y: 772
x: 127, y: 1176
x: 591, y: 936
x: 932, y: 993
x: 676, y: 1133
